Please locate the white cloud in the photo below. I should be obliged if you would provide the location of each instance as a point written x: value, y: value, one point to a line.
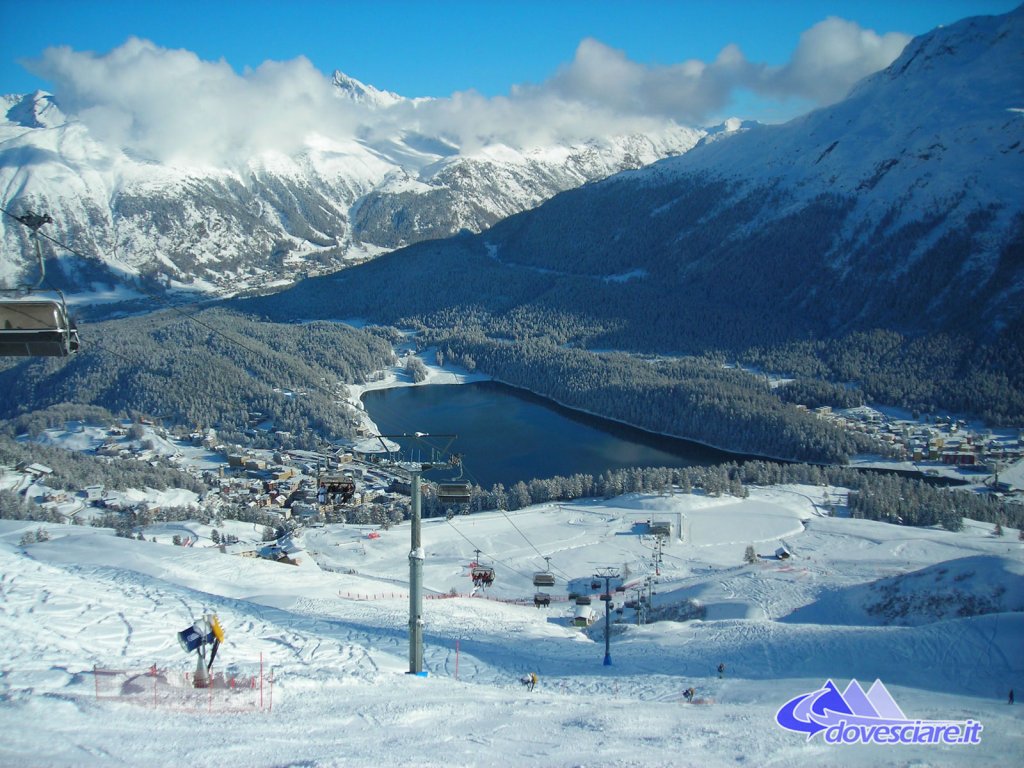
x: 688, y: 92
x: 830, y: 57
x: 171, y: 106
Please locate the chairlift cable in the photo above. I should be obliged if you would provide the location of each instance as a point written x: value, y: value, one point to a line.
x: 331, y: 395
x: 510, y: 522
x: 151, y: 295
x: 193, y: 318
x: 546, y: 557
x: 493, y: 559
x: 143, y: 291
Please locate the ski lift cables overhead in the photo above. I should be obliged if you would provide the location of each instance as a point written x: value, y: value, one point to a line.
x: 146, y: 293
x: 462, y: 490
x: 35, y: 326
x: 503, y: 563
x: 547, y: 574
x: 546, y: 558
x: 458, y: 491
x: 156, y: 297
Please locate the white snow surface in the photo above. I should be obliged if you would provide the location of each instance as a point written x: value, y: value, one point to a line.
x: 939, y: 130
x: 334, y: 631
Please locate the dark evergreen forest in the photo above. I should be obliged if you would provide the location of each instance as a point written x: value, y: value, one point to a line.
x: 214, y: 369
x: 873, y: 495
x: 688, y: 265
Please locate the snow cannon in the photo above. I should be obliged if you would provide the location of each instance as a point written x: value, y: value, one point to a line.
x: 193, y: 637
x: 196, y: 638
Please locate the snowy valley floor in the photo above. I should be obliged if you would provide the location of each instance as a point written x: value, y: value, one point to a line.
x: 334, y: 632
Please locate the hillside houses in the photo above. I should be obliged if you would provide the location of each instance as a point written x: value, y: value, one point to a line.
x: 269, y: 485
x: 942, y: 441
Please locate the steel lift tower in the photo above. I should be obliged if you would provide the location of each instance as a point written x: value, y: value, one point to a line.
x: 429, y: 457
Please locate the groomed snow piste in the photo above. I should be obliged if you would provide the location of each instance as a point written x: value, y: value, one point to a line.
x: 333, y: 632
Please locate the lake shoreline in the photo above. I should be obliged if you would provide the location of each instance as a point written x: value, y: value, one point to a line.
x: 396, y: 377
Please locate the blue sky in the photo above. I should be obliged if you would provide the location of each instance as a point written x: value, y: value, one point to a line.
x: 213, y: 82
x: 437, y: 48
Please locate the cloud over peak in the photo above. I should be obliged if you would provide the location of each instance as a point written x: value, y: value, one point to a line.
x: 171, y: 106
x: 829, y: 59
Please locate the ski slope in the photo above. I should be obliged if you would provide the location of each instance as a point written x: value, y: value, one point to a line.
x: 334, y: 630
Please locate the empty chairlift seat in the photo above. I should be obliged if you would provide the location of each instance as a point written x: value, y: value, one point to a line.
x: 543, y: 579
x: 36, y: 328
x: 453, y: 492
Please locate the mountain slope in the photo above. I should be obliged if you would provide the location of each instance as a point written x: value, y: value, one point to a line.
x: 276, y: 216
x: 901, y: 207
x: 334, y: 631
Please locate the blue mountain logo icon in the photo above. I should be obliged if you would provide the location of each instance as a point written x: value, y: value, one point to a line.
x: 867, y: 717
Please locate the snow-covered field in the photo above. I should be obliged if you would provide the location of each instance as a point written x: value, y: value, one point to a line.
x: 334, y: 631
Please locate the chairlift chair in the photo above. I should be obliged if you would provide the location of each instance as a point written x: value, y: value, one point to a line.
x: 36, y: 328
x: 544, y: 578
x: 338, y: 488
x: 483, y: 575
x: 453, y: 492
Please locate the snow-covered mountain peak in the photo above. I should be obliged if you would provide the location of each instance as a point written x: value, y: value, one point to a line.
x: 225, y: 215
x: 974, y: 61
x: 361, y: 93
x: 968, y: 40
x: 34, y: 110
x: 917, y: 130
x: 901, y: 206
